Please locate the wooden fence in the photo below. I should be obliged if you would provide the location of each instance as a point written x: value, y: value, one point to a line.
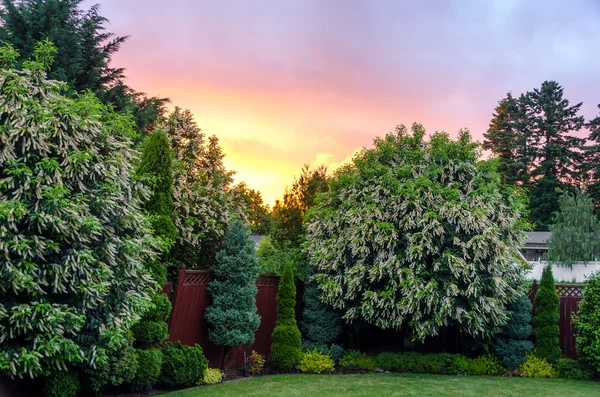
x: 190, y: 299
x: 569, y: 295
x: 188, y: 325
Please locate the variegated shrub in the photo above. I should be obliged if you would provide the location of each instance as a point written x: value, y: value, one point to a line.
x: 419, y: 233
x: 73, y: 240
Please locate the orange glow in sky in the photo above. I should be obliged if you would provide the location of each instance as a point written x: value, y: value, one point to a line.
x: 292, y: 82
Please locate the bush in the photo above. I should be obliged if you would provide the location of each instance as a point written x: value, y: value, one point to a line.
x: 350, y: 359
x: 484, y: 365
x: 315, y: 362
x: 455, y: 364
x: 573, y: 369
x: 211, y: 376
x: 413, y: 362
x: 367, y: 363
x: 535, y: 367
x: 120, y: 368
x: 257, y: 362
x: 162, y: 307
x: 286, y: 349
x: 148, y: 332
x: 513, y: 345
x: 587, y: 322
x: 62, y: 384
x: 148, y: 370
x: 336, y: 352
x: 545, y: 321
x: 182, y: 365
x: 389, y: 361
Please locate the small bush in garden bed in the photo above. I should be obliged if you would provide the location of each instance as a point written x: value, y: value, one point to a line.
x: 573, y: 369
x: 535, y: 367
x: 413, y: 362
x: 257, y: 363
x: 315, y: 362
x: 367, y: 363
x: 484, y: 365
x: 148, y: 370
x: 587, y: 322
x: 181, y: 365
x: 211, y: 376
x: 350, y: 359
x: 334, y: 351
x: 62, y: 384
x: 120, y: 368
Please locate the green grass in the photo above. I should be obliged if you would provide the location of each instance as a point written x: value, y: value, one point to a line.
x: 380, y: 385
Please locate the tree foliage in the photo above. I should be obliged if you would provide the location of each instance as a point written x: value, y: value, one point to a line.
x: 545, y: 321
x: 256, y: 212
x: 513, y: 345
x: 587, y: 322
x: 421, y: 234
x: 202, y: 195
x: 575, y: 231
x: 535, y: 139
x: 321, y: 324
x: 288, y: 215
x: 232, y: 315
x: 72, y: 235
x: 85, y: 51
x: 286, y: 349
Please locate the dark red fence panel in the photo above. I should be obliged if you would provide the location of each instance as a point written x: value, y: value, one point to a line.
x: 188, y: 325
x: 569, y: 296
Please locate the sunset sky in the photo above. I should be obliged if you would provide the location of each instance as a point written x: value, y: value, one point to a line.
x: 283, y: 83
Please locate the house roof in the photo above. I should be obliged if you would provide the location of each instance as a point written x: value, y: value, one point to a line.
x: 537, y: 239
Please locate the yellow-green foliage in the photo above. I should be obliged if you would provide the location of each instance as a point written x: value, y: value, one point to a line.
x: 211, y: 376
x: 257, y: 362
x: 315, y: 362
x: 536, y: 367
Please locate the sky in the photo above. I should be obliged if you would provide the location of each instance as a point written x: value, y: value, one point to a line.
x: 284, y: 83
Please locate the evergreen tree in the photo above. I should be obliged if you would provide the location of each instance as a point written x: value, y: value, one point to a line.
x: 587, y: 322
x: 513, y: 345
x: 590, y: 168
x: 233, y: 315
x: 545, y: 321
x: 204, y: 204
x: 251, y: 202
x: 534, y: 137
x: 575, y: 231
x: 321, y: 324
x: 85, y: 51
x: 286, y: 349
x: 74, y: 239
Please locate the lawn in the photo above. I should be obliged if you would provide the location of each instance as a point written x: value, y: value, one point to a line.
x: 381, y: 385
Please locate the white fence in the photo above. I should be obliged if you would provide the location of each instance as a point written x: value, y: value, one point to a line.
x: 577, y: 274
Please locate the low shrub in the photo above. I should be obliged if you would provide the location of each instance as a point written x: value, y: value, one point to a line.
x: 148, y: 369
x: 62, y: 384
x: 389, y: 361
x: 118, y: 369
x: 484, y: 365
x: 315, y: 362
x: 211, y: 376
x: 147, y: 332
x: 350, y: 359
x: 535, y: 367
x: 182, y: 365
x: 454, y: 364
x: 336, y: 352
x: 573, y: 369
x: 257, y: 362
x: 286, y: 349
x: 367, y: 363
x: 161, y: 309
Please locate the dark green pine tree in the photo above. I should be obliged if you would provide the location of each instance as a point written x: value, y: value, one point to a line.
x: 513, y: 344
x: 509, y: 138
x: 590, y: 168
x: 286, y: 349
x: 557, y: 153
x: 233, y: 315
x: 156, y: 169
x: 545, y: 321
x: 321, y: 324
x: 85, y: 50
